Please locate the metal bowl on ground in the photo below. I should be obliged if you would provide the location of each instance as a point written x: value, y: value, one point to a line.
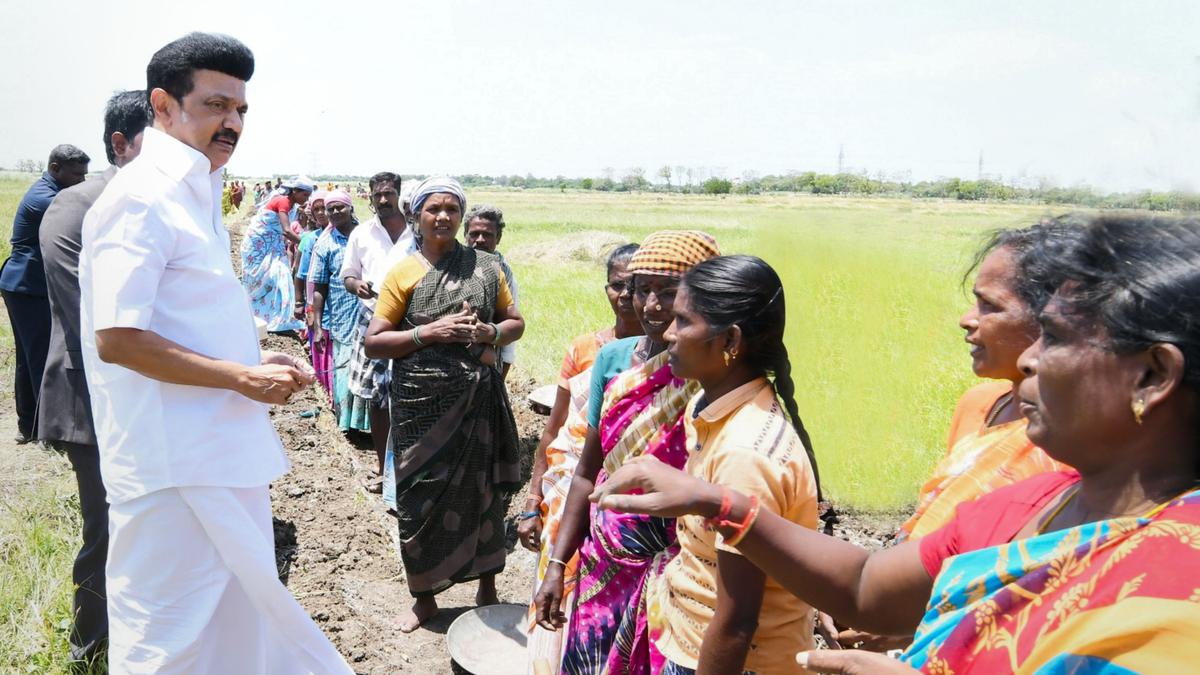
x: 542, y: 398
x: 490, y: 640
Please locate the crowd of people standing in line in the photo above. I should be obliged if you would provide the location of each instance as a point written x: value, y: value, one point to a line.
x: 673, y: 504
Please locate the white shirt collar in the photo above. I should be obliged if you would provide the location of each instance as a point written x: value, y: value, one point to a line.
x: 176, y: 159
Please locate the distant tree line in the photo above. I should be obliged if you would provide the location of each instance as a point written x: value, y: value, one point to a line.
x: 701, y: 180
x: 680, y: 180
x: 30, y: 165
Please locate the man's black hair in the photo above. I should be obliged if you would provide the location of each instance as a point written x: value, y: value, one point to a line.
x: 128, y: 112
x: 67, y: 154
x: 384, y: 177
x: 171, y: 67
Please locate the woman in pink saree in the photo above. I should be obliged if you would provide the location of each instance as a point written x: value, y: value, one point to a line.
x: 635, y: 409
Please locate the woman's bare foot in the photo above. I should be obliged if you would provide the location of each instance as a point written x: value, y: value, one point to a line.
x: 422, y: 610
x: 486, y: 595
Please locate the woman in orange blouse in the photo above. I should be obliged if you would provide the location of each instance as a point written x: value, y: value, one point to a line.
x: 558, y: 452
x: 987, y: 447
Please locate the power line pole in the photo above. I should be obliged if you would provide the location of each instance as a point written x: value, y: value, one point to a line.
x: 841, y: 158
x: 980, y: 176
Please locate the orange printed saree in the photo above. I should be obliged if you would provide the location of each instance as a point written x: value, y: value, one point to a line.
x: 562, y: 455
x: 979, y: 460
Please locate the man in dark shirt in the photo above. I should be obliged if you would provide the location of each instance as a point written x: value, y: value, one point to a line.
x: 64, y: 409
x: 23, y: 281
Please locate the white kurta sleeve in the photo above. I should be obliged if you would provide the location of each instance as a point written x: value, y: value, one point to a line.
x: 131, y: 246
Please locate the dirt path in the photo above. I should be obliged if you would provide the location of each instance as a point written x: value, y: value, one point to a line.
x: 337, y: 546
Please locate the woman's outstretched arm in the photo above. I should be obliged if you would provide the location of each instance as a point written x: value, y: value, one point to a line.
x: 884, y: 592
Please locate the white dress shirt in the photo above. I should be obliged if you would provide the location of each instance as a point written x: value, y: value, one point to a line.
x: 371, y: 254
x: 156, y: 257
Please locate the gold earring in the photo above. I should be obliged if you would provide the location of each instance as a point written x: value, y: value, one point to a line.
x: 1139, y: 409
x: 658, y: 308
x: 733, y: 353
x: 726, y: 355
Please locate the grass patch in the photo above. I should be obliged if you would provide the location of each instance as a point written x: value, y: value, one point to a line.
x: 873, y: 295
x: 39, y: 537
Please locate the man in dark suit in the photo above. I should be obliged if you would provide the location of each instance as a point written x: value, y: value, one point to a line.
x: 23, y: 285
x: 65, y: 417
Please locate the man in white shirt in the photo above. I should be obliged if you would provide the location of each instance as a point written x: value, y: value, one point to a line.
x: 484, y: 229
x: 373, y: 250
x: 179, y: 392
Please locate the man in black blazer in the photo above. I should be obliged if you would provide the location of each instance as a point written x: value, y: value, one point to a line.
x: 65, y: 416
x: 24, y: 287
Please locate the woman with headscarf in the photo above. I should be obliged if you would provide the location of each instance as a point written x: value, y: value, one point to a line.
x: 335, y: 310
x: 1086, y: 571
x: 558, y: 452
x: 320, y: 352
x: 440, y: 316
x: 266, y: 268
x: 635, y: 408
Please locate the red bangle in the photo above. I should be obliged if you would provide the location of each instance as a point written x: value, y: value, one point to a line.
x: 742, y: 528
x: 723, y: 512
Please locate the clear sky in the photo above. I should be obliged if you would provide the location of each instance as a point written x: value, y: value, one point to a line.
x: 1099, y: 92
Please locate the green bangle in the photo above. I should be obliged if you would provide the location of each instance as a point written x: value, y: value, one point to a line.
x: 496, y: 327
x: 417, y: 336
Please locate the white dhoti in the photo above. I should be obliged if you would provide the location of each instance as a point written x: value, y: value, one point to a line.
x: 193, y: 588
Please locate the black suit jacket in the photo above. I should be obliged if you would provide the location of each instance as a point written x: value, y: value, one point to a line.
x: 64, y: 408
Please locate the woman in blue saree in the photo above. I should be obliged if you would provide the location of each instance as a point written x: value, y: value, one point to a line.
x: 266, y: 268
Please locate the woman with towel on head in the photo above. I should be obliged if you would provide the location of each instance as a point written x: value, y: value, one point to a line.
x: 335, y: 310
x: 440, y: 316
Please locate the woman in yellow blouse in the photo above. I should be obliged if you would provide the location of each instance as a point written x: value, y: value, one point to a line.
x: 711, y: 605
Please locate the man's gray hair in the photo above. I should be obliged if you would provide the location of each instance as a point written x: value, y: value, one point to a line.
x: 487, y: 212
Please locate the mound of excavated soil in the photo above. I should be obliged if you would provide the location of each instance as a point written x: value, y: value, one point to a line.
x: 586, y: 246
